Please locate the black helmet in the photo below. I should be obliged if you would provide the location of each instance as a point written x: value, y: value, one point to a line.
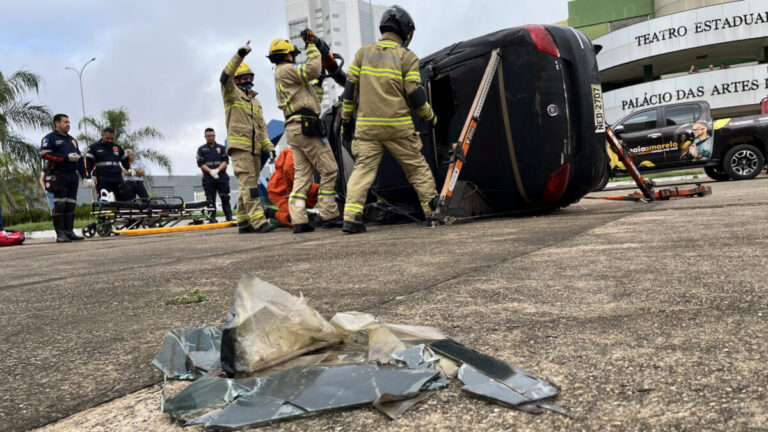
x: 396, y: 20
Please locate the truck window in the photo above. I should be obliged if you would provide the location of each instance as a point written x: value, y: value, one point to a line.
x: 641, y: 121
x: 678, y: 115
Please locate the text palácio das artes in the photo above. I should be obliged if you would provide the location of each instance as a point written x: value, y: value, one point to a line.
x: 684, y: 94
x: 747, y: 19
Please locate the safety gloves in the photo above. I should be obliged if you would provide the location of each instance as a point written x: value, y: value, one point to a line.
x: 244, y: 50
x: 132, y: 173
x: 74, y: 157
x: 272, y: 156
x: 214, y: 173
x: 88, y: 183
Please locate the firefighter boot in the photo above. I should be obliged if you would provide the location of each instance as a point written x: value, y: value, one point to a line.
x: 353, y: 227
x: 243, y: 227
x: 70, y: 219
x: 303, y: 228
x: 336, y: 222
x: 265, y: 228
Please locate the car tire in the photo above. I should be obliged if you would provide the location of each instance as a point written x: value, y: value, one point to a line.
x: 716, y: 173
x: 603, y: 180
x: 743, y: 162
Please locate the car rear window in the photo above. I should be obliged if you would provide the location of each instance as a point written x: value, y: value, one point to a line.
x: 679, y: 115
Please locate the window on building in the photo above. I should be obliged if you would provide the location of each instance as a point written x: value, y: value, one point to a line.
x: 682, y: 114
x: 641, y: 121
x: 296, y: 26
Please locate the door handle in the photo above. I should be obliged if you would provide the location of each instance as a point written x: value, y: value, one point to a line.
x: 654, y: 135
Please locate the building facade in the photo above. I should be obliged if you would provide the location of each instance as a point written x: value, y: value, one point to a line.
x: 346, y: 25
x: 669, y: 51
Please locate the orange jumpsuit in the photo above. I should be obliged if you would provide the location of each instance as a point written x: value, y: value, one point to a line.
x: 281, y: 184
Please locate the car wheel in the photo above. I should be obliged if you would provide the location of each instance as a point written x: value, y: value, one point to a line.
x: 716, y: 173
x: 603, y: 180
x: 743, y: 162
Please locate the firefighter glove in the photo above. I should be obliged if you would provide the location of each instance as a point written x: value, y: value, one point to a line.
x: 308, y: 36
x: 244, y: 50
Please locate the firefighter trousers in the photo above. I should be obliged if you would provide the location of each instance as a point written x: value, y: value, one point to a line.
x: 247, y: 167
x: 368, y: 154
x: 310, y: 154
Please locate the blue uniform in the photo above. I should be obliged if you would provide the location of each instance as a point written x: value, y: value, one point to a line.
x: 212, y: 157
x: 61, y: 180
x: 105, y: 162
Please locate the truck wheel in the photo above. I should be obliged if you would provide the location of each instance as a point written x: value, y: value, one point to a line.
x: 603, y: 180
x: 743, y: 162
x: 716, y: 173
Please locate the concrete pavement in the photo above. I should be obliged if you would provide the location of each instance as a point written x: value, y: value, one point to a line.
x: 646, y: 316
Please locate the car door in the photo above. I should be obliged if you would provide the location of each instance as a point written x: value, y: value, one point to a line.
x: 677, y: 135
x: 642, y: 136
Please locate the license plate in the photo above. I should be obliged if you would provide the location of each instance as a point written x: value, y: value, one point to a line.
x: 597, y: 104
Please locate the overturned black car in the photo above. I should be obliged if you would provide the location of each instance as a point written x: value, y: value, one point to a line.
x: 539, y: 143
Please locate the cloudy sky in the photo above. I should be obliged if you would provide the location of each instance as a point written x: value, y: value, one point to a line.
x: 161, y: 59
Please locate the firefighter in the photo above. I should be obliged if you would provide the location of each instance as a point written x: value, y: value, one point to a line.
x: 280, y: 186
x: 383, y: 81
x: 246, y: 140
x: 106, y: 160
x: 60, y: 150
x: 213, y: 160
x: 297, y: 97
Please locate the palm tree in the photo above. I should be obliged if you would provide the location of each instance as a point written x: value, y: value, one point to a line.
x: 16, y: 112
x: 119, y: 120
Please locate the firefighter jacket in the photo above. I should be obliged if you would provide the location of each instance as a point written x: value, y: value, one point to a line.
x: 105, y: 160
x: 246, y: 129
x: 55, y: 149
x: 294, y: 85
x: 384, y: 84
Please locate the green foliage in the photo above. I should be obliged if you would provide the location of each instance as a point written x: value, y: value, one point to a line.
x: 36, y: 215
x: 119, y: 120
x: 19, y: 160
x: 44, y: 226
x: 194, y: 296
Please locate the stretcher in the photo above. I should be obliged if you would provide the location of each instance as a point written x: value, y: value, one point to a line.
x: 159, y: 212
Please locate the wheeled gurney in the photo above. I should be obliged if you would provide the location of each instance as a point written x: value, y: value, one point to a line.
x: 156, y: 212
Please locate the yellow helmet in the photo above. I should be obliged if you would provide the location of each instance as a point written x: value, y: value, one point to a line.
x: 282, y: 46
x: 243, y: 69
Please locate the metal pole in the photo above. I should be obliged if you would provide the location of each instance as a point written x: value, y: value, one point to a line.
x: 80, y: 77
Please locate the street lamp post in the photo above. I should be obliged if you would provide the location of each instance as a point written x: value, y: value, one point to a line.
x: 80, y: 76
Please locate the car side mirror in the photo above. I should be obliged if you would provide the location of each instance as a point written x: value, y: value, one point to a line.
x: 618, y: 130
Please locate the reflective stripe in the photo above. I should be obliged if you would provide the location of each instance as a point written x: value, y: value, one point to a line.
x: 413, y: 75
x: 230, y: 66
x: 88, y: 155
x: 384, y: 121
x: 425, y: 205
x: 326, y: 192
x: 382, y: 72
x: 265, y: 143
x: 353, y: 70
x: 45, y: 151
x: 353, y: 208
x: 312, y: 52
x: 424, y: 110
x: 242, y: 217
x: 302, y: 71
x: 240, y: 104
x: 241, y: 140
x: 100, y: 164
x: 295, y: 196
x: 212, y: 164
x: 257, y: 215
x: 64, y: 200
x: 286, y: 98
x: 388, y: 44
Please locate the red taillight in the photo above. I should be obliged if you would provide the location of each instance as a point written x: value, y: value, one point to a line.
x: 543, y: 39
x: 556, y: 184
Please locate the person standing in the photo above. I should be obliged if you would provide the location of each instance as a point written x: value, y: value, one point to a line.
x: 104, y: 159
x: 134, y: 178
x: 383, y: 82
x: 212, y: 160
x: 60, y: 150
x: 246, y: 140
x: 297, y: 97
